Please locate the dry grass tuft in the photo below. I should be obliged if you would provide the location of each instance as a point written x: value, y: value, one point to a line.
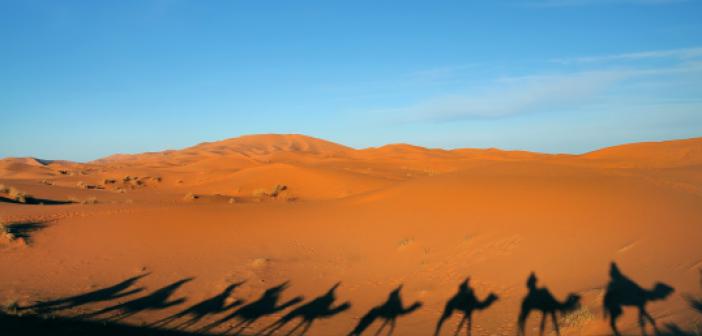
x: 14, y: 194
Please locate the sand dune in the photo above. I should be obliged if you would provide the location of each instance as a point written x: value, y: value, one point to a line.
x: 370, y: 218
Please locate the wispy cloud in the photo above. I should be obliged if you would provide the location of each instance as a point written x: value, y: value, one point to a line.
x: 679, y: 54
x: 509, y: 96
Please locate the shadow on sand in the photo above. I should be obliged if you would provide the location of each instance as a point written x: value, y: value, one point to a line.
x: 541, y: 299
x: 157, y: 300
x: 31, y: 324
x: 318, y: 308
x: 34, y: 201
x: 466, y: 302
x: 214, y: 305
x: 265, y: 305
x: 23, y: 230
x: 388, y: 311
x: 622, y: 291
x: 110, y: 293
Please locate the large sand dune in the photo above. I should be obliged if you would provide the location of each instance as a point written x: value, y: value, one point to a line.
x: 372, y: 219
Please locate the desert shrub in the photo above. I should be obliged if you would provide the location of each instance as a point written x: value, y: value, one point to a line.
x: 191, y: 196
x: 109, y: 181
x: 84, y: 185
x: 278, y: 189
x: 90, y: 200
x: 17, y: 195
x: 260, y: 192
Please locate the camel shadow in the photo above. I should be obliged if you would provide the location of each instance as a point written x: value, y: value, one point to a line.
x: 267, y: 304
x: 318, y: 308
x: 675, y: 330
x: 113, y: 292
x: 157, y: 300
x: 388, y: 311
x: 214, y: 305
x: 466, y: 302
x: 622, y: 291
x: 540, y: 298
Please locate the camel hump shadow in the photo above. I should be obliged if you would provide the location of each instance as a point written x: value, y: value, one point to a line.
x: 321, y: 307
x: 466, y: 302
x: 388, y: 311
x: 267, y: 304
x: 622, y: 291
x: 541, y: 299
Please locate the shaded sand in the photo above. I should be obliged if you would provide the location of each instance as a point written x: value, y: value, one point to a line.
x: 371, y: 219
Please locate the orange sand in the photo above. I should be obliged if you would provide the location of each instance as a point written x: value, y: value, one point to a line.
x: 372, y: 219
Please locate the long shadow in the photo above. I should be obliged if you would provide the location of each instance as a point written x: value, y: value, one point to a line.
x: 24, y: 230
x: 318, y: 308
x: 157, y: 300
x: 110, y: 293
x: 265, y: 305
x: 622, y: 291
x: 673, y: 329
x: 466, y: 302
x: 34, y: 201
x: 32, y: 324
x: 214, y: 305
x: 696, y: 303
x: 540, y: 298
x: 388, y: 311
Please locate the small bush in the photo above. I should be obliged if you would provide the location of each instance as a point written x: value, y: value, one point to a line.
x: 260, y: 192
x: 84, y: 185
x: 278, y: 189
x: 191, y: 196
x: 91, y: 200
x: 17, y: 195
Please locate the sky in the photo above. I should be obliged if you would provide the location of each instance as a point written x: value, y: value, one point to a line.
x: 80, y: 80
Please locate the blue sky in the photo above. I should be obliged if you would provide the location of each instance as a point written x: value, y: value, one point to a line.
x: 84, y: 79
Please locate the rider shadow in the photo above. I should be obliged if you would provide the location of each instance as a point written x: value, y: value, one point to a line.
x: 540, y: 298
x: 265, y: 305
x: 466, y: 302
x: 114, y: 292
x: 157, y: 300
x: 388, y: 311
x: 211, y: 306
x: 318, y: 308
x: 622, y: 291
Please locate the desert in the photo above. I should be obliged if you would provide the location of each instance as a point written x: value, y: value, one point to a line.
x: 246, y: 215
